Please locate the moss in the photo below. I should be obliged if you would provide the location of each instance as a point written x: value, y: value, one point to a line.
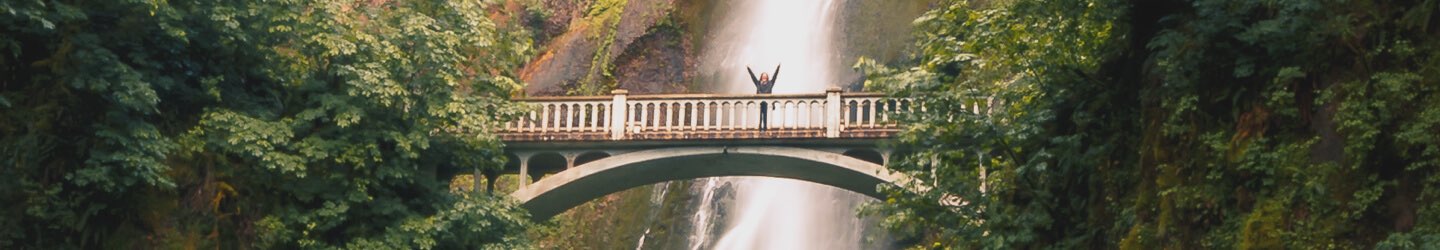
x: 1137, y: 238
x: 1263, y: 226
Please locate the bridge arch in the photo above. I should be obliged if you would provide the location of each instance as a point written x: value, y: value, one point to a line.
x: 561, y: 191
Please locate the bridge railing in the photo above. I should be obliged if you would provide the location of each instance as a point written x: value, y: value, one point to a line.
x: 620, y: 116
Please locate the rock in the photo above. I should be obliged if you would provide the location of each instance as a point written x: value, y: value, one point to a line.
x: 644, y: 50
x: 660, y: 62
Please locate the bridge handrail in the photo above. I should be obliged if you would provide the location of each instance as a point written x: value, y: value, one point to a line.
x: 620, y: 116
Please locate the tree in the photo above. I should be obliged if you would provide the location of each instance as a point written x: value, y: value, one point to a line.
x: 1150, y: 124
x: 276, y: 123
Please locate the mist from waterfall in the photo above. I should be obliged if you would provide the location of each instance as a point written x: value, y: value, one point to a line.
x: 774, y: 213
x: 763, y: 34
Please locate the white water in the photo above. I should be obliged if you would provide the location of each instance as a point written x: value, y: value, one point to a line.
x: 703, y: 223
x: 773, y: 213
x: 760, y: 33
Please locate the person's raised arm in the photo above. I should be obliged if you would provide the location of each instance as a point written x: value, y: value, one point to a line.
x: 752, y: 76
x: 776, y: 75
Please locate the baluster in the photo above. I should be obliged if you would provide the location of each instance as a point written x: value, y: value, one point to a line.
x: 885, y: 115
x: 596, y: 115
x: 553, y: 117
x: 730, y: 117
x: 572, y: 117
x: 571, y: 114
x: 544, y: 118
x: 817, y: 109
x: 663, y: 111
x: 870, y: 112
x: 870, y: 115
x: 704, y: 115
x: 848, y: 114
x: 694, y: 115
x: 553, y: 113
x: 690, y: 114
x: 685, y: 115
x: 802, y: 114
x: 734, y: 120
x: 719, y: 115
x: 584, y: 119
x: 678, y: 114
x: 777, y: 105
x: 529, y: 121
x: 643, y: 113
x: 675, y: 114
x: 874, y: 112
x: 644, y: 116
x: 860, y: 112
x: 784, y: 113
x: 727, y: 114
x: 722, y: 115
x: 708, y: 119
x: 694, y: 111
x: 591, y: 112
x: 587, y: 115
x: 745, y: 115
x: 805, y: 114
x: 559, y: 119
x: 653, y: 118
x: 668, y: 116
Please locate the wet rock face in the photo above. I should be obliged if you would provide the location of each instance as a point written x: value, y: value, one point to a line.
x: 599, y: 45
x: 562, y: 65
x: 659, y: 62
x: 561, y: 13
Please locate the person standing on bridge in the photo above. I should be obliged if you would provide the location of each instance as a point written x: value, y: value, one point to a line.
x: 763, y: 86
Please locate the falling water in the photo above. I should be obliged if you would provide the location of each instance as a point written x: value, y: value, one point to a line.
x: 773, y: 213
x: 763, y: 34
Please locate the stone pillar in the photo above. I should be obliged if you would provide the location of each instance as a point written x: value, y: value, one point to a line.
x: 570, y: 160
x: 475, y: 180
x: 832, y: 112
x: 618, y: 111
x: 524, y: 171
x: 885, y: 156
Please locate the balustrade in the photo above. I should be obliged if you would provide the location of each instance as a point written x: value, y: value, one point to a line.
x: 620, y: 116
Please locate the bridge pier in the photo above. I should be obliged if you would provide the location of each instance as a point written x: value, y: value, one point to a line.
x: 524, y: 169
x: 570, y: 159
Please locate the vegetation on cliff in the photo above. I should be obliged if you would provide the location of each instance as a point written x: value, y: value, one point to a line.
x: 1302, y: 124
x: 270, y: 124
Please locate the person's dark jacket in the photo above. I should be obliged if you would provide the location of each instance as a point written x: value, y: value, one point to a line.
x: 764, y: 87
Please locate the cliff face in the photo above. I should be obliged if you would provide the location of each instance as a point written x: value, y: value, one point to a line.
x: 640, y: 45
x: 653, y: 46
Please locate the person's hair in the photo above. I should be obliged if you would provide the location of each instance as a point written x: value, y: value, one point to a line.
x: 764, y: 76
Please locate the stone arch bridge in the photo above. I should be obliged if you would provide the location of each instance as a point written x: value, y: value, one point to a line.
x: 569, y: 150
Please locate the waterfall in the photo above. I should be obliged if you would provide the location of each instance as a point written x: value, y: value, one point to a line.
x: 703, y: 222
x: 797, y: 33
x: 773, y: 213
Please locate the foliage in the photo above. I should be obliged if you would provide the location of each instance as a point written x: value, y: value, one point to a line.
x: 293, y: 123
x: 1171, y: 124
